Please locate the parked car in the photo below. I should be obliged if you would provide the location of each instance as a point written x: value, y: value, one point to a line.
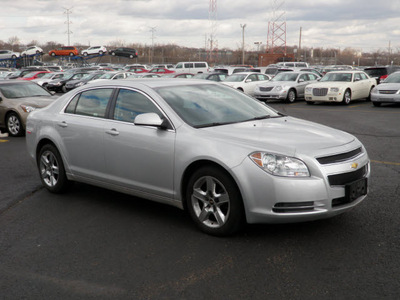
x: 125, y: 52
x: 46, y: 78
x: 73, y: 84
x: 161, y: 71
x: 32, y: 50
x: 22, y: 72
x: 58, y: 85
x: 17, y: 99
x: 144, y: 75
x: 64, y: 51
x: 178, y: 75
x: 7, y: 54
x: 113, y: 76
x: 246, y: 81
x: 381, y: 72
x: 213, y: 76
x: 388, y: 91
x: 340, y: 86
x: 100, y: 50
x: 285, y: 86
x: 136, y: 70
x: 201, y: 146
x: 34, y: 75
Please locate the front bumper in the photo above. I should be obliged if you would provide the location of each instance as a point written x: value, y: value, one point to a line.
x: 273, y: 95
x: 385, y: 98
x: 273, y: 199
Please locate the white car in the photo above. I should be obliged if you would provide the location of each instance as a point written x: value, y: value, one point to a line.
x: 94, y: 50
x: 33, y: 50
x: 7, y: 54
x: 340, y: 86
x: 246, y: 81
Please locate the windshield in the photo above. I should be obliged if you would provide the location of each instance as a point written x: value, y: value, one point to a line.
x: 393, y: 78
x: 235, y: 78
x: 29, y: 75
x: 344, y: 77
x: 18, y: 90
x: 376, y: 72
x: 107, y: 76
x: 211, y: 105
x: 285, y: 76
x: 47, y: 75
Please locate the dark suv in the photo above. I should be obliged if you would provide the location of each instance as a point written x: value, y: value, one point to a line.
x: 381, y: 72
x: 126, y: 52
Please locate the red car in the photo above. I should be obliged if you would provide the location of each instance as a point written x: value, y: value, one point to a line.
x: 161, y: 71
x: 137, y: 70
x: 34, y: 75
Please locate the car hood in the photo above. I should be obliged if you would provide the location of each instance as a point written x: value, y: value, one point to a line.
x: 329, y: 84
x: 278, y: 83
x: 389, y: 86
x: 41, y: 101
x: 285, y: 135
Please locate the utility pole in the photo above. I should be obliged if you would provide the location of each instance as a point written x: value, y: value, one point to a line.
x: 243, y: 27
x: 152, y: 29
x: 299, y: 51
x: 68, y: 12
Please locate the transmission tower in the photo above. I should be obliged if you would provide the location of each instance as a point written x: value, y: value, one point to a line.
x: 68, y: 12
x: 276, y: 40
x: 213, y: 43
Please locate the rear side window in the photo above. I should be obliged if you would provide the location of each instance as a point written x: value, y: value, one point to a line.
x: 189, y: 65
x: 199, y: 65
x: 90, y: 103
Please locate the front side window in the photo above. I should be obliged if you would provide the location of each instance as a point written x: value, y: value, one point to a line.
x: 90, y: 103
x: 130, y: 103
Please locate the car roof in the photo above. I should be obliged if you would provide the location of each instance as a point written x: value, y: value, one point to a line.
x: 153, y: 82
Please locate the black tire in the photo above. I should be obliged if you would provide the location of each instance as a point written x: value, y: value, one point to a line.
x: 101, y: 52
x: 376, y: 104
x: 346, y: 97
x: 53, y: 54
x: 214, y: 202
x: 131, y: 56
x: 71, y: 54
x: 64, y: 89
x: 291, y: 96
x: 113, y: 53
x: 85, y: 54
x: 51, y: 169
x: 14, y: 125
x: 369, y: 95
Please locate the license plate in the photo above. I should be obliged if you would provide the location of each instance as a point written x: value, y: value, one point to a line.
x: 356, y: 189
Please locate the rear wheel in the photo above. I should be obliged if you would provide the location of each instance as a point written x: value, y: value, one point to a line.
x: 101, y: 52
x: 53, y: 54
x: 346, y: 97
x: 131, y: 56
x: 14, y: 125
x: 71, y: 54
x: 214, y: 202
x: 51, y: 169
x: 85, y: 54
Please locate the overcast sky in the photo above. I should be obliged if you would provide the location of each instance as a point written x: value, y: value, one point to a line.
x: 369, y: 25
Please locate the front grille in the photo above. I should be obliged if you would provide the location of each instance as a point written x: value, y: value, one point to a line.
x: 266, y: 89
x: 320, y: 91
x: 339, y: 157
x: 345, y: 178
x: 388, y: 92
x: 293, y: 207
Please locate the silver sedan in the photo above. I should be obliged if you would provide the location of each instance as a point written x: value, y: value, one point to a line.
x: 286, y: 86
x: 223, y: 156
x: 388, y: 91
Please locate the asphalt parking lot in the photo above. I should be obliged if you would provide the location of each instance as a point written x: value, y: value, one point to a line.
x: 95, y: 244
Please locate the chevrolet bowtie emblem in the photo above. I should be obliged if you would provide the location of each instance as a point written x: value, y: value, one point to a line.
x: 354, y: 165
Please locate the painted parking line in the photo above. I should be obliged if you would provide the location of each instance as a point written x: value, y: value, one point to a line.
x: 3, y: 141
x: 385, y: 162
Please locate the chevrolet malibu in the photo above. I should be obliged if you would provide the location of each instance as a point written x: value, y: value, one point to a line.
x: 221, y: 155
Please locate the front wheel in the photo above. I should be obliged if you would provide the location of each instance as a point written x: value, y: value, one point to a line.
x: 214, y: 202
x: 51, y: 169
x: 291, y: 96
x: 131, y: 56
x: 346, y: 97
x: 71, y: 54
x: 85, y: 54
x: 14, y: 125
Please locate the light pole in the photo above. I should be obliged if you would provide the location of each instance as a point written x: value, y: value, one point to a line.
x: 243, y: 27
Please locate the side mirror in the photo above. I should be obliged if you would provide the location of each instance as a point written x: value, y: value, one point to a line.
x: 150, y: 119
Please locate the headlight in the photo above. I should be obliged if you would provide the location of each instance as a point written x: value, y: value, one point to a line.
x: 278, y: 88
x: 79, y: 84
x: 27, y: 108
x: 335, y: 90
x: 308, y: 90
x: 280, y: 165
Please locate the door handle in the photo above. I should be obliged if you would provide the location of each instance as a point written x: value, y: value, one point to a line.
x: 62, y: 124
x: 112, y: 132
